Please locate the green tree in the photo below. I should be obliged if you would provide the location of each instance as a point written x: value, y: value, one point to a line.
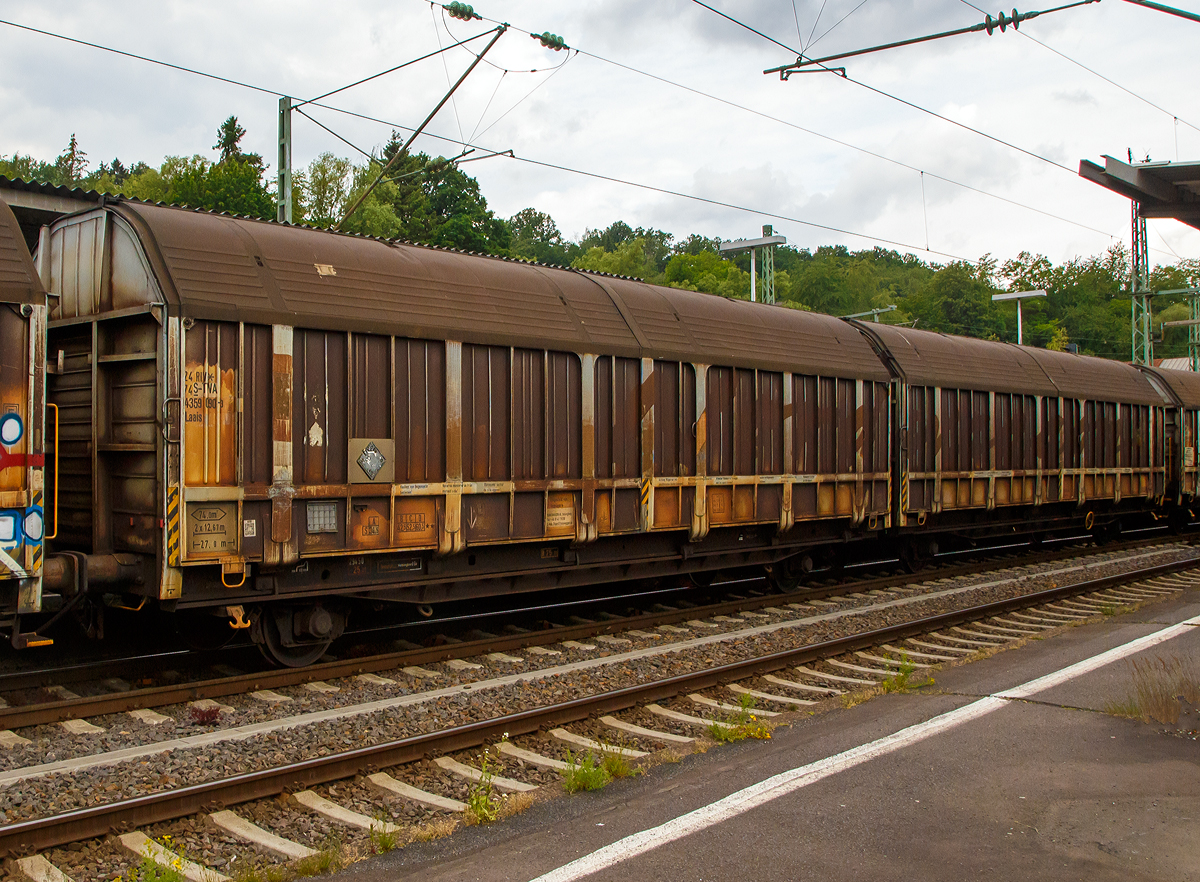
x: 324, y: 187
x: 629, y: 259
x: 229, y: 137
x: 72, y: 163
x: 705, y: 271
x: 535, y: 236
x: 232, y: 186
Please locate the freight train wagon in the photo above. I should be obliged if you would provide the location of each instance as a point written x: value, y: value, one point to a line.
x: 22, y: 391
x: 994, y: 437
x: 272, y: 424
x: 266, y: 421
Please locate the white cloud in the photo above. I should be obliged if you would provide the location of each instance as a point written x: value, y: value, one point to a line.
x: 598, y: 117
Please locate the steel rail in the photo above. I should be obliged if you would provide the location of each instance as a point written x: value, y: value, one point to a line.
x: 20, y: 716
x: 48, y: 832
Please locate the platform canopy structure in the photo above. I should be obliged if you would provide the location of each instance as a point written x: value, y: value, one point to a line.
x: 1155, y: 189
x: 1161, y: 189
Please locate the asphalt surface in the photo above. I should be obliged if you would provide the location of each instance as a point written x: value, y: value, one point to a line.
x: 1051, y: 788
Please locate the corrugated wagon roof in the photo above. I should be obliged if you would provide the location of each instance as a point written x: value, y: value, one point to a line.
x: 932, y: 359
x: 1185, y: 384
x: 235, y: 268
x: 1099, y: 379
x: 19, y: 282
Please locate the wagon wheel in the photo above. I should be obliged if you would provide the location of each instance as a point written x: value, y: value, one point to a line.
x: 275, y: 652
x: 787, y: 575
x: 911, y: 557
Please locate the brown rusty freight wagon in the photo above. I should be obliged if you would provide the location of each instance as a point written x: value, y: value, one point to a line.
x: 269, y: 421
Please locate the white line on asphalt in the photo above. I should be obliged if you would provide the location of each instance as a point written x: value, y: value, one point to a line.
x: 794, y: 779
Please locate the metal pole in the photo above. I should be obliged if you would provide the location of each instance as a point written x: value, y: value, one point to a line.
x: 1020, y: 338
x: 283, y: 198
x: 1194, y: 331
x: 753, y: 275
x: 768, y: 267
x: 500, y: 30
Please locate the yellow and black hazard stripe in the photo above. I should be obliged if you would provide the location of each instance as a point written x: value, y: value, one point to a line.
x: 35, y: 563
x: 646, y: 485
x: 173, y: 526
x: 904, y: 494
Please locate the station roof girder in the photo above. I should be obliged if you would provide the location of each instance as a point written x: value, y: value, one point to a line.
x: 1161, y: 189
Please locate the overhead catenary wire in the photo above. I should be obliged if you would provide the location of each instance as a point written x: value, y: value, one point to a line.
x: 663, y: 190
x: 823, y: 136
x: 434, y: 136
x: 348, y: 143
x: 382, y: 73
x: 316, y: 103
x: 825, y: 33
x: 446, y: 67
x: 528, y: 160
x: 892, y: 97
x: 831, y: 139
x: 1093, y: 72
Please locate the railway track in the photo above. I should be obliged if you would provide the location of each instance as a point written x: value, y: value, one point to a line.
x: 113, y: 692
x: 670, y: 709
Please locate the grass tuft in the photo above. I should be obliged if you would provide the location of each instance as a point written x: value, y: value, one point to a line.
x: 585, y: 773
x: 482, y: 805
x: 515, y: 803
x: 438, y: 829
x: 902, y: 681
x: 1159, y: 686
x: 383, y: 840
x: 739, y: 726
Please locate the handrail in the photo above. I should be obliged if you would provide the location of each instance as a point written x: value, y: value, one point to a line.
x: 53, y: 535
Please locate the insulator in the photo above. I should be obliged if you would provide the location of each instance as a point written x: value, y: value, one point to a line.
x: 1003, y: 22
x: 461, y: 11
x: 550, y: 41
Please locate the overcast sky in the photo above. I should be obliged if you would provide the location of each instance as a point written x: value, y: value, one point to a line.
x: 639, y: 104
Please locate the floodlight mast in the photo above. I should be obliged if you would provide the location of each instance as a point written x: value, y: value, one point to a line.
x: 767, y: 243
x: 1018, y: 296
x: 873, y: 313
